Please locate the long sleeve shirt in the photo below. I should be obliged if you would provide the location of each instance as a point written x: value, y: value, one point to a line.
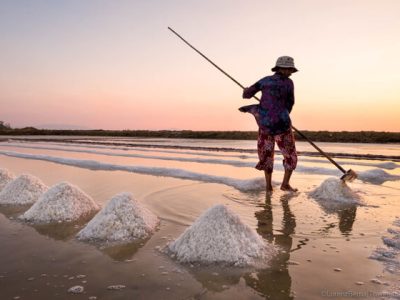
x: 277, y: 100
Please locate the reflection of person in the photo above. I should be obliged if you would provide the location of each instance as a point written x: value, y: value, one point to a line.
x: 275, y: 281
x: 272, y: 116
x: 346, y: 213
x: 347, y: 217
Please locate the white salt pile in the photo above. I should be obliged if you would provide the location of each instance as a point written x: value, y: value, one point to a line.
x: 219, y: 236
x: 388, y: 165
x: 334, y: 189
x: 390, y: 254
x: 26, y: 189
x: 5, y: 177
x: 63, y: 202
x: 124, y: 219
x: 377, y: 176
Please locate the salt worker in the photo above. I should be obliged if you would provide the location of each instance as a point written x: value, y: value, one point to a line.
x: 273, y: 120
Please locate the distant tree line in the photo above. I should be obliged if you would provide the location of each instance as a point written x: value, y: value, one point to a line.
x: 318, y: 136
x: 4, y: 126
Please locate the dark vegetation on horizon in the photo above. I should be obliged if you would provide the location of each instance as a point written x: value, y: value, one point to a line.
x: 318, y: 136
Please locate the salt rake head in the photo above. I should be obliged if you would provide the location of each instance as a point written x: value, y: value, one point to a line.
x: 349, y: 176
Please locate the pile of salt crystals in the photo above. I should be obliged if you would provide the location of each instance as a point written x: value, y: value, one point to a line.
x: 25, y: 189
x: 219, y: 236
x: 63, y: 202
x: 334, y: 189
x: 377, y: 176
x: 122, y: 220
x: 390, y: 253
x: 5, y: 177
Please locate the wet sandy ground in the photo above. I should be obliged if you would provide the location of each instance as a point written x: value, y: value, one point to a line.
x: 324, y: 250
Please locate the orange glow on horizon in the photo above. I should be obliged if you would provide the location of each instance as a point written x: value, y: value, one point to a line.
x: 118, y: 67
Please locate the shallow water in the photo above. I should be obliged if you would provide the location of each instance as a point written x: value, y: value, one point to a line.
x: 315, y: 237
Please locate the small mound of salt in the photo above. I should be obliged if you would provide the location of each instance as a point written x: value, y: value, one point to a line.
x: 334, y: 189
x: 388, y: 165
x: 219, y: 236
x: 122, y: 220
x: 63, y: 202
x: 26, y: 189
x: 5, y: 177
x: 377, y: 176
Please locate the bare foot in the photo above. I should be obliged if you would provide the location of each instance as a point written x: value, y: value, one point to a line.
x: 288, y: 188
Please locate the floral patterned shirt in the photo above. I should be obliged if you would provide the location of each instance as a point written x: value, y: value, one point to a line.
x: 277, y: 100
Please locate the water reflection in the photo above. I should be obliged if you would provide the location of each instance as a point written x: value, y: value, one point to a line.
x: 216, y: 278
x: 347, y: 217
x: 123, y: 252
x: 275, y: 282
x: 62, y: 231
x: 13, y: 211
x: 59, y: 231
x: 346, y: 214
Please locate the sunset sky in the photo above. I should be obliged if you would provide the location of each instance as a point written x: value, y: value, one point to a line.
x: 114, y: 64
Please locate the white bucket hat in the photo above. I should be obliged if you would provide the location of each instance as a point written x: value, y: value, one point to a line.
x: 284, y: 62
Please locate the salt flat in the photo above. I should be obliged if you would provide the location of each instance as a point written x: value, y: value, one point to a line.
x: 314, y: 237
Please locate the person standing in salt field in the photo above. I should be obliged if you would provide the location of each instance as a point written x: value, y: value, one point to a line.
x: 273, y: 120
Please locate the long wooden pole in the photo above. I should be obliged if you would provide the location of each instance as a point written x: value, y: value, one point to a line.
x: 239, y: 84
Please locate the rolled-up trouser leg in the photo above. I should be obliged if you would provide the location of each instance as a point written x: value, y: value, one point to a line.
x: 265, y: 147
x: 286, y: 144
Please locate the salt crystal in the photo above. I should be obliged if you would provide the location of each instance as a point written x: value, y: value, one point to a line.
x: 26, y: 189
x: 116, y: 287
x: 338, y: 270
x: 122, y: 220
x: 219, y: 235
x: 62, y: 202
x: 376, y: 281
x: 77, y: 289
